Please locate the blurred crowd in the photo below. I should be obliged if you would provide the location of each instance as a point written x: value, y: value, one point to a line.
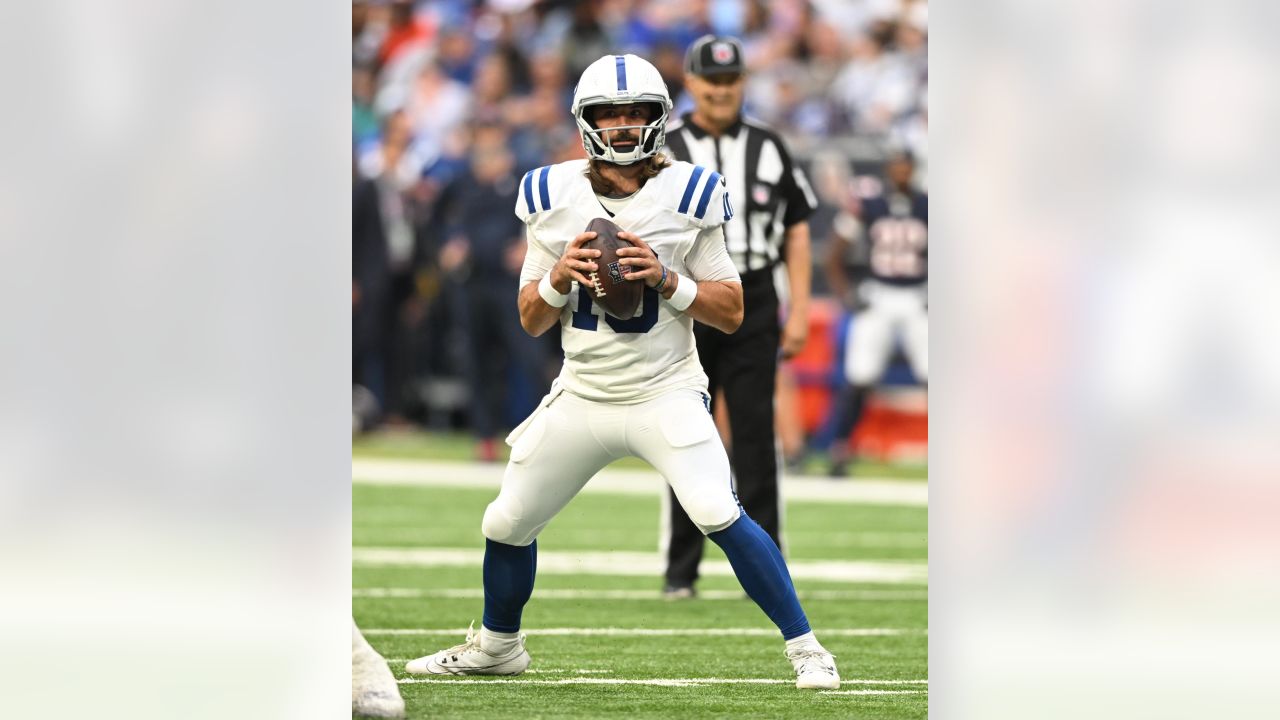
x: 453, y: 101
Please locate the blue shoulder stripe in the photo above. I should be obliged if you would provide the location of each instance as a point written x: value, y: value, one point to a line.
x: 542, y: 188
x: 528, y: 191
x: 688, y: 190
x: 706, y: 195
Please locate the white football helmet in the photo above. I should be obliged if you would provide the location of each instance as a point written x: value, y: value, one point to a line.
x: 622, y: 80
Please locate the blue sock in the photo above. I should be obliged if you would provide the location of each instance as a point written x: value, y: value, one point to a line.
x: 508, y: 583
x: 763, y: 573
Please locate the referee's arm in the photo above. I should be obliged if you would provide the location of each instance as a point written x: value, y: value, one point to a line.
x: 797, y: 255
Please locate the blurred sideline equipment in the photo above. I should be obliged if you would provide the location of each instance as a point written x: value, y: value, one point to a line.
x: 895, y: 422
x: 629, y: 387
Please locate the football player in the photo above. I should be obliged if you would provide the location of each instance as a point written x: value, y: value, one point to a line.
x: 891, y: 303
x: 631, y: 386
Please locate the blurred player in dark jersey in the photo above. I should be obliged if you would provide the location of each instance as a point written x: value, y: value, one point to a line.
x: 879, y: 266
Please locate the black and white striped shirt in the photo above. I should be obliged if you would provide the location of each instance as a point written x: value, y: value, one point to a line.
x: 769, y: 193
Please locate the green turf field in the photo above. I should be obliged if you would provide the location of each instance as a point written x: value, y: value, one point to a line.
x: 460, y: 446
x: 603, y: 641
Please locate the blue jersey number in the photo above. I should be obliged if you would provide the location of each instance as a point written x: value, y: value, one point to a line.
x: 584, y: 319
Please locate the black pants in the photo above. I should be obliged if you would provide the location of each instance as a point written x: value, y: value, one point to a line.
x: 745, y: 365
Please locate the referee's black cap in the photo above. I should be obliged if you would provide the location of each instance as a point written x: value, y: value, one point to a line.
x: 715, y: 55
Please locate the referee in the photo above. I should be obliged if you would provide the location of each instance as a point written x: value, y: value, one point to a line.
x: 772, y: 201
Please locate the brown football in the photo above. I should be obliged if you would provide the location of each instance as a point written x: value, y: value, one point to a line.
x: 620, y: 298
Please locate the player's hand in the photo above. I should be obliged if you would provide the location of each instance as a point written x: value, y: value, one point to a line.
x: 644, y: 262
x: 794, y: 335
x: 575, y: 264
x: 513, y: 256
x: 454, y: 254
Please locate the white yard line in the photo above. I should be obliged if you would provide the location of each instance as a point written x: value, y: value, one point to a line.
x: 643, y: 564
x: 675, y: 682
x: 433, y: 473
x: 662, y: 682
x: 560, y: 594
x: 393, y: 662
x: 873, y: 692
x: 651, y: 632
x: 872, y: 539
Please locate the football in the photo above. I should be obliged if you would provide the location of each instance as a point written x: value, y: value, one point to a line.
x: 620, y: 298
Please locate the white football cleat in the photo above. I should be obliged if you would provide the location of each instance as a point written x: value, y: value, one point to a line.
x: 815, y: 669
x: 470, y: 659
x: 374, y: 692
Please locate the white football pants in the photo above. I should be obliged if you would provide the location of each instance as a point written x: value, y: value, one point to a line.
x: 891, y: 312
x: 568, y: 439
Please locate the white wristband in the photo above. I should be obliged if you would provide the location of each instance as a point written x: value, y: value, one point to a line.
x: 550, y: 294
x: 686, y: 291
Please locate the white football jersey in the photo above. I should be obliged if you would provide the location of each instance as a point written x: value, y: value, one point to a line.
x: 680, y: 214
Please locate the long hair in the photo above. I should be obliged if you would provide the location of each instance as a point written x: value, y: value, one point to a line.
x: 652, y: 166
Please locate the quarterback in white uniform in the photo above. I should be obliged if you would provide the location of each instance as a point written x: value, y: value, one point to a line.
x: 627, y: 362
x: 629, y: 387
